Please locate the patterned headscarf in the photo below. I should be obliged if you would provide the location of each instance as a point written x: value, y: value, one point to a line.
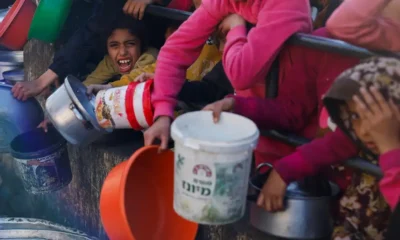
x: 381, y: 72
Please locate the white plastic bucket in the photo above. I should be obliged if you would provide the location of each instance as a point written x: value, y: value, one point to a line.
x: 125, y: 107
x: 212, y: 166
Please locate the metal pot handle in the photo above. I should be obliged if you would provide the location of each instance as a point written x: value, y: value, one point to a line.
x: 79, y: 116
x: 254, y: 197
x: 261, y: 165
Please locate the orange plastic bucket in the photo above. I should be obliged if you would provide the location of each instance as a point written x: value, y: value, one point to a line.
x: 136, y: 201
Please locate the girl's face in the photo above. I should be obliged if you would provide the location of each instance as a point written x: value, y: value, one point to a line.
x: 359, y: 128
x: 124, y: 49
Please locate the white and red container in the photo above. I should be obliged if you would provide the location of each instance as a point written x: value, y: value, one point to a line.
x: 125, y: 107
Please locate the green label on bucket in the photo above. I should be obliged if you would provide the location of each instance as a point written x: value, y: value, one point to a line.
x: 210, y: 191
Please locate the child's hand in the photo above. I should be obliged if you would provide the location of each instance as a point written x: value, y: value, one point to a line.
x: 94, y: 88
x: 159, y: 130
x: 224, y: 105
x: 144, y: 77
x: 230, y: 22
x: 273, y: 192
x: 380, y: 118
x: 24, y: 90
x: 44, y: 125
x: 136, y: 8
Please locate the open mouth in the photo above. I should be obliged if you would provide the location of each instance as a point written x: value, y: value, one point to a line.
x: 372, y: 146
x: 125, y: 65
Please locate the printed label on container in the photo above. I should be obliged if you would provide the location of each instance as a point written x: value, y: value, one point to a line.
x: 110, y: 108
x: 210, y: 192
x: 41, y: 174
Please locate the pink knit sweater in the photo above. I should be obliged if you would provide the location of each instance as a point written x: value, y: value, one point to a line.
x: 361, y: 22
x: 247, y: 56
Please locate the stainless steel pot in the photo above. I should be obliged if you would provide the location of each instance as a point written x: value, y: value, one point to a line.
x: 10, y: 60
x: 307, y: 214
x: 14, y: 76
x: 34, y: 229
x: 72, y: 113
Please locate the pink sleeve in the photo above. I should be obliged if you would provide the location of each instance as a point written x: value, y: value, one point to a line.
x: 179, y: 52
x: 297, y: 97
x: 334, y: 147
x: 390, y: 184
x: 246, y: 60
x: 279, y: 114
x: 361, y: 23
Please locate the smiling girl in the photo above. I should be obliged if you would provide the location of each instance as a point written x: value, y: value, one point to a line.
x: 126, y: 48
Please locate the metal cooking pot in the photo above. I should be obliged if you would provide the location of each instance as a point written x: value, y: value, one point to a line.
x: 34, y: 229
x: 14, y: 76
x: 16, y: 117
x: 72, y: 113
x: 10, y: 60
x: 307, y: 213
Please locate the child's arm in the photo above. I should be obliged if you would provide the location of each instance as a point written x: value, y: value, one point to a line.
x: 286, y: 114
x: 297, y: 97
x: 248, y: 57
x: 334, y: 147
x: 390, y: 184
x: 360, y: 22
x: 103, y: 72
x: 179, y: 52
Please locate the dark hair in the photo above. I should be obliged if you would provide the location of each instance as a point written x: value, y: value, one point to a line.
x: 135, y: 27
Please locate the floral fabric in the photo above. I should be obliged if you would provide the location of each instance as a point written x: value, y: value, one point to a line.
x: 364, y: 214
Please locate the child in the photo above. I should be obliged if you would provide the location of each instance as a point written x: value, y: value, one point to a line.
x: 84, y: 43
x: 209, y: 57
x: 380, y: 116
x: 363, y: 212
x: 374, y: 25
x: 126, y: 52
x: 125, y: 44
x: 305, y: 75
x: 246, y: 58
x: 212, y: 87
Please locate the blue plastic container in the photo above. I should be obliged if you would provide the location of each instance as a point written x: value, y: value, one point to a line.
x: 42, y: 160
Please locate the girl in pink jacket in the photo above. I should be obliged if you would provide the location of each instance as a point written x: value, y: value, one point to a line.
x: 371, y: 24
x: 247, y: 57
x: 363, y: 102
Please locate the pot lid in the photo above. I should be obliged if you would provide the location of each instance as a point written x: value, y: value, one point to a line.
x: 14, y: 75
x: 77, y: 92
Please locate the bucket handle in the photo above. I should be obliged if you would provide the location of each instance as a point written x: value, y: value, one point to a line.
x: 261, y: 165
x: 254, y: 197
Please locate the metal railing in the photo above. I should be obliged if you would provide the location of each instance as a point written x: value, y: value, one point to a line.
x: 310, y: 41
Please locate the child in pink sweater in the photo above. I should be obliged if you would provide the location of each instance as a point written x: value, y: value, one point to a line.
x: 371, y: 24
x: 247, y: 56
